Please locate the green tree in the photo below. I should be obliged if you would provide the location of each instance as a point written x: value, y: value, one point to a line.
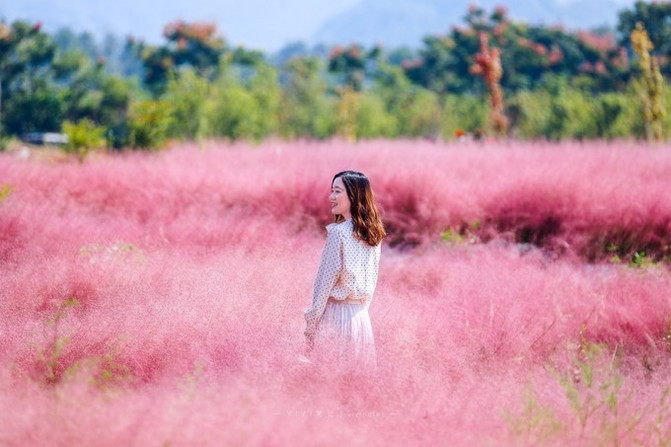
x: 267, y: 95
x: 93, y: 94
x: 372, y: 118
x: 656, y: 19
x: 416, y: 110
x: 82, y: 137
x: 194, y: 45
x: 29, y: 100
x: 149, y: 124
x: 442, y: 65
x: 613, y: 115
x: 650, y: 84
x: 527, y: 54
x: 233, y: 114
x: 529, y: 113
x: 307, y: 109
x: 571, y: 116
x: 351, y: 65
x: 463, y: 113
x: 89, y: 92
x: 188, y: 95
x: 246, y: 108
x: 67, y: 40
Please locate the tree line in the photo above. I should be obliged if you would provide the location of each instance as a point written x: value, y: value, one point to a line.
x: 554, y: 84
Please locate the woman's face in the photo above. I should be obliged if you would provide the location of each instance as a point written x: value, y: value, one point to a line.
x: 340, y: 203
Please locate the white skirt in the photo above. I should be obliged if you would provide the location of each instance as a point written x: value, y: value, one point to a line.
x: 344, y: 337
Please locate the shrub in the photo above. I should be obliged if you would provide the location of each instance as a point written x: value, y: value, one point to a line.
x: 246, y: 110
x: 465, y: 112
x: 266, y: 94
x: 570, y: 116
x: 306, y: 109
x: 419, y: 114
x: 372, y: 120
x: 346, y: 115
x: 188, y: 94
x: 529, y: 113
x: 233, y: 112
x: 149, y: 123
x: 613, y: 116
x: 4, y: 141
x: 83, y: 136
x: 5, y: 191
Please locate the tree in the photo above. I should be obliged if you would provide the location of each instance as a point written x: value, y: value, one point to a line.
x: 67, y: 40
x: 248, y: 106
x: 442, y: 65
x: 488, y: 65
x: 188, y: 95
x: 88, y: 92
x: 29, y: 100
x: 650, y: 85
x: 416, y: 110
x: 307, y: 110
x: 194, y: 45
x: 656, y: 19
x: 528, y: 53
x: 350, y: 64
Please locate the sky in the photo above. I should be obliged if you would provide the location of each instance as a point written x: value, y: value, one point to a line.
x: 271, y: 24
x: 259, y: 24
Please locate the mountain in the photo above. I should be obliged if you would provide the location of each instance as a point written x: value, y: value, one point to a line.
x: 405, y: 22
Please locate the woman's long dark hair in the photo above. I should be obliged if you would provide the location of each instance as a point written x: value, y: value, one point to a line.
x: 365, y: 216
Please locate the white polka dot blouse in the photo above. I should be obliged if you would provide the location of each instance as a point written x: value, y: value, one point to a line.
x: 348, y: 271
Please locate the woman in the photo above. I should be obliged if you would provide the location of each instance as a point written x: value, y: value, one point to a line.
x: 338, y: 325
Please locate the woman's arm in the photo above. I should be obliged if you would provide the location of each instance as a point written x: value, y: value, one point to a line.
x: 327, y: 275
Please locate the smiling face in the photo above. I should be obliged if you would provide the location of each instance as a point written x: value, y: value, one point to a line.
x: 340, y: 203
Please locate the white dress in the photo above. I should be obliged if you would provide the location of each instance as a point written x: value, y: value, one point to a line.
x: 338, y: 319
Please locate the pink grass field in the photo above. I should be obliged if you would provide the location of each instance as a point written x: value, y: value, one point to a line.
x: 156, y: 299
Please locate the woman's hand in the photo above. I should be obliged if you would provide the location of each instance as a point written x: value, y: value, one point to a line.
x: 309, y: 343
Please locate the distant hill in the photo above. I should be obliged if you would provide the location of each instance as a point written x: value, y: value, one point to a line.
x: 405, y: 22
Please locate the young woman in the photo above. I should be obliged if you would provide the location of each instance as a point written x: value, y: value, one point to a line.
x: 338, y: 325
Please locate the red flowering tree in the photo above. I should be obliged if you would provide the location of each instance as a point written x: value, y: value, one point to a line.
x: 488, y: 65
x: 196, y: 45
x: 527, y: 52
x: 349, y: 64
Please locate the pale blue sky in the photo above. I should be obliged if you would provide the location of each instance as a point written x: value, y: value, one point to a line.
x: 261, y: 24
x: 255, y: 23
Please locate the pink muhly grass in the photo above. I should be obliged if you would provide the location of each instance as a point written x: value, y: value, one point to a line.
x: 153, y: 299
